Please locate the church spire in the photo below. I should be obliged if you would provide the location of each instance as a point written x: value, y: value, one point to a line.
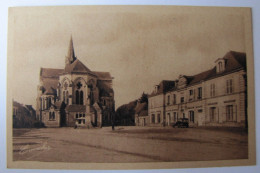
x: 70, y: 58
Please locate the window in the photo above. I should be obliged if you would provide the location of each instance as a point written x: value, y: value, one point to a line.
x: 49, y: 102
x: 168, y: 100
x: 67, y: 97
x: 229, y: 86
x: 220, y: 66
x: 191, y: 95
x: 191, y: 92
x: 191, y: 116
x: 230, y: 113
x: 199, y: 93
x: 158, y: 118
x: 80, y: 117
x: 212, y: 90
x: 51, y: 115
x: 79, y: 94
x: 174, y: 98
x: 43, y: 103
x: 153, y: 118
x: 81, y: 98
x: 182, y: 99
x: 175, y: 116
x: 212, y: 114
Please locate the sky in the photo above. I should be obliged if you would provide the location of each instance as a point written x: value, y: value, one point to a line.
x: 139, y: 46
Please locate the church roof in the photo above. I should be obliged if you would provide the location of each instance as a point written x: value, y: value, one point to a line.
x: 50, y: 78
x: 50, y: 73
x: 77, y: 67
x: 50, y: 85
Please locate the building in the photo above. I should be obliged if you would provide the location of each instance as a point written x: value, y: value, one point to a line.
x: 141, y: 114
x: 216, y: 97
x: 75, y: 95
x: 23, y: 115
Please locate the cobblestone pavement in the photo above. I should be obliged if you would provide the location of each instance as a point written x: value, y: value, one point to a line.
x: 129, y: 144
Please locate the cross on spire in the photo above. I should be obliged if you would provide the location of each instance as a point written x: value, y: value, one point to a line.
x: 70, y: 58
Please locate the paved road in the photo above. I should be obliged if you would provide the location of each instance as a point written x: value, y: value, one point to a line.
x: 129, y: 144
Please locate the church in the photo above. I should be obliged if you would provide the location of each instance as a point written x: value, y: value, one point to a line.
x: 75, y: 95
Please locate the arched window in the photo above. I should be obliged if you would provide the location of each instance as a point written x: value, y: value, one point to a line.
x: 67, y: 97
x: 79, y: 94
x: 81, y: 98
x: 77, y: 97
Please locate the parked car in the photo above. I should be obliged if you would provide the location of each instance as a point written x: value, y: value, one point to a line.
x: 182, y: 122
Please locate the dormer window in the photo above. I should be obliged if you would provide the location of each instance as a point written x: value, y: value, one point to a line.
x: 220, y: 65
x: 182, y: 81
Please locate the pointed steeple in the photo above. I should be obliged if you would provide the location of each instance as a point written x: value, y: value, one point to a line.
x: 70, y: 58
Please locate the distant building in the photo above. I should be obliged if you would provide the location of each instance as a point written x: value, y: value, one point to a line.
x: 75, y: 95
x: 141, y: 114
x: 216, y: 97
x: 23, y: 115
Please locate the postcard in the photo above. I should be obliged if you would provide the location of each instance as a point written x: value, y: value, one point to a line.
x: 130, y: 87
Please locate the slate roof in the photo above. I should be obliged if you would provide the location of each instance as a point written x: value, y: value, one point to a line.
x: 164, y: 86
x: 233, y: 61
x: 50, y: 85
x: 50, y: 73
x: 50, y: 78
x: 15, y: 103
x: 77, y: 66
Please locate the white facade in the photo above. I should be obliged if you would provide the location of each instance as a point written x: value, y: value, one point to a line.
x: 216, y: 100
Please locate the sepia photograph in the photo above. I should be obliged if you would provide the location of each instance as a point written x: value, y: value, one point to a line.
x: 127, y: 87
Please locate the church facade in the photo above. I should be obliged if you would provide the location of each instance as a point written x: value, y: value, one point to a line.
x: 75, y: 95
x: 216, y: 97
